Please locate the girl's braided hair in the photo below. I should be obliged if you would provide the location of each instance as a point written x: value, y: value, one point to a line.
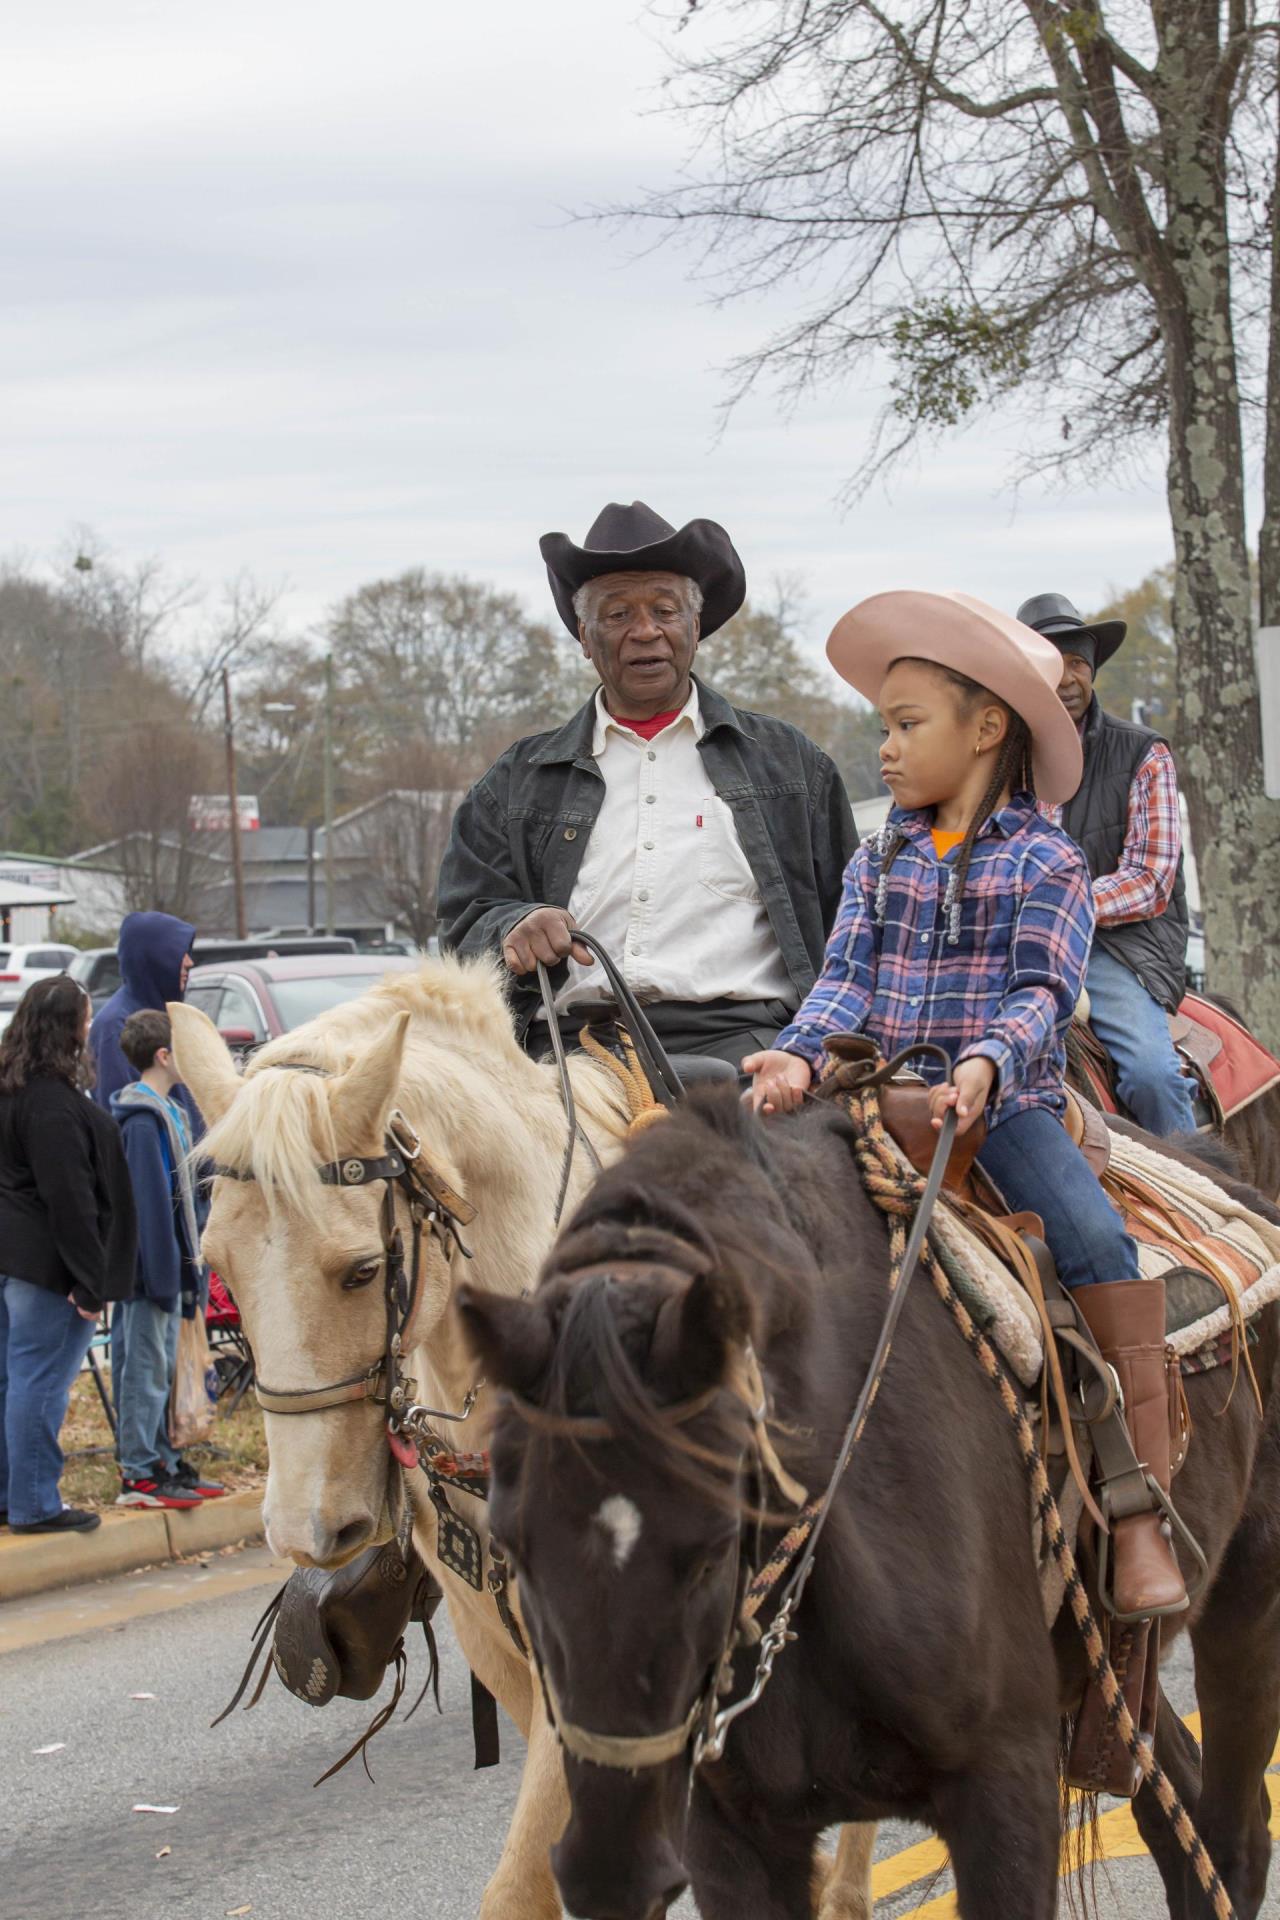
x: 1012, y: 771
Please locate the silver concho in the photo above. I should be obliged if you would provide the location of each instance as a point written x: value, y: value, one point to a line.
x: 352, y: 1172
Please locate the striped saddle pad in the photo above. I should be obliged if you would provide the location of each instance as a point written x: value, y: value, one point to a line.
x: 1181, y: 1219
x: 1220, y: 1263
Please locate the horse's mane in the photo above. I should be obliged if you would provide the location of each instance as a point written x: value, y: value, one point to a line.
x: 666, y: 1200
x: 461, y: 1057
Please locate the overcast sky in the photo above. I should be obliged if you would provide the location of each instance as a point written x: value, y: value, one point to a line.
x: 291, y: 286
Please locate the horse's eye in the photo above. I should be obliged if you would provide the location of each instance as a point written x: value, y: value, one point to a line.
x: 363, y: 1274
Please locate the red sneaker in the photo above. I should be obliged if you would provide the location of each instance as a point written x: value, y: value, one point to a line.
x: 156, y: 1493
x: 185, y: 1475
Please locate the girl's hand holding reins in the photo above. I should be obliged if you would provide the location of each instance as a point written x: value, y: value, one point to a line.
x: 781, y: 1081
x: 968, y: 1093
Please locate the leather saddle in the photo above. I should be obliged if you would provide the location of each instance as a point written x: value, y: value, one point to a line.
x: 904, y: 1108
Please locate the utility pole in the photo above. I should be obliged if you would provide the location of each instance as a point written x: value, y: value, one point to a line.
x: 328, y: 793
x: 237, y: 863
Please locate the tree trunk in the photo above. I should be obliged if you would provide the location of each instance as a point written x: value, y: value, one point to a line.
x: 1269, y: 532
x: 1235, y: 829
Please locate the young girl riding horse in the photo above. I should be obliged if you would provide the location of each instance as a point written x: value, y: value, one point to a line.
x: 966, y: 922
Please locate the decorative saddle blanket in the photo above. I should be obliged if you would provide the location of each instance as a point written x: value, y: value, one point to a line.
x: 1221, y: 1263
x: 1239, y: 1068
x: 1230, y: 1067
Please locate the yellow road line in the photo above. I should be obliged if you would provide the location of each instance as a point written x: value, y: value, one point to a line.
x: 1117, y: 1838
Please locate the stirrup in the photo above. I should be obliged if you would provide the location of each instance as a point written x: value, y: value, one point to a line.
x: 1160, y: 1503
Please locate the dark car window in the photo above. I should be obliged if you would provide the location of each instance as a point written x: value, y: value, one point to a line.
x: 49, y: 957
x: 4, y: 956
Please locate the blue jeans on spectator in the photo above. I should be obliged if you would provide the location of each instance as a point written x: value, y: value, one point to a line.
x: 43, y: 1342
x: 144, y: 1351
x: 1133, y: 1028
x: 1039, y: 1170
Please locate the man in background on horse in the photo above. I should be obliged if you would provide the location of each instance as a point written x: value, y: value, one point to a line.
x: 701, y: 844
x: 1125, y: 818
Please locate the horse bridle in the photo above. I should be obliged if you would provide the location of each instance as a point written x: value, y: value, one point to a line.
x: 434, y: 1207
x: 705, y: 1727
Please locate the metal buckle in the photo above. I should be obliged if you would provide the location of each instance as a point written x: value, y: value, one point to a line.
x: 402, y: 1133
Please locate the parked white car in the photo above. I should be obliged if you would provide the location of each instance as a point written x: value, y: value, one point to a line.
x: 21, y: 967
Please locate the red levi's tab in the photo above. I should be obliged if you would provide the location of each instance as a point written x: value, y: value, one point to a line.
x: 647, y: 728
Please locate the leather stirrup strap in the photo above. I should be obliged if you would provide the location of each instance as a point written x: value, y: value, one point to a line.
x: 1032, y: 1281
x: 484, y: 1725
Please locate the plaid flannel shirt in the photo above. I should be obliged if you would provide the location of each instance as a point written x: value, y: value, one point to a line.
x: 1005, y: 992
x: 1142, y: 884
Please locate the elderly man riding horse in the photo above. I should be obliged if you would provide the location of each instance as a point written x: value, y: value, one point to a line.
x: 703, y: 845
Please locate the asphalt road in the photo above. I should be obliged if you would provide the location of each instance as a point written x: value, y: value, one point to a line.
x: 251, y: 1836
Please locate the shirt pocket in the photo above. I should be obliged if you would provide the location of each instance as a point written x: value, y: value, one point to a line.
x: 723, y: 868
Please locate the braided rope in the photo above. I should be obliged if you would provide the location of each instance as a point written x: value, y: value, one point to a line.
x: 642, y: 1107
x: 895, y: 1188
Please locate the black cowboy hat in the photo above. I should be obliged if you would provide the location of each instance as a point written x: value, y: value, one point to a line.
x: 1053, y: 615
x: 635, y: 539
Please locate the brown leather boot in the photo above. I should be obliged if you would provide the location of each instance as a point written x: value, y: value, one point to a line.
x: 1126, y: 1318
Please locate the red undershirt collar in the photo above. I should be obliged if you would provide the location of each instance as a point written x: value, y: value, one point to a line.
x: 647, y: 728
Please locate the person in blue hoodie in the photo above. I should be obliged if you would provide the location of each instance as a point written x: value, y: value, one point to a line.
x: 155, y: 959
x: 144, y: 1347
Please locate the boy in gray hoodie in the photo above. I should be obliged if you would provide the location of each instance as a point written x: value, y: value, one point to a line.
x: 157, y: 1143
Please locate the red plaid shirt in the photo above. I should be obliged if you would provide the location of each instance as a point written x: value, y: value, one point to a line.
x: 1142, y: 884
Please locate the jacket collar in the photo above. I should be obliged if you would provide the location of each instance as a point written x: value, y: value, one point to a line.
x: 573, y: 741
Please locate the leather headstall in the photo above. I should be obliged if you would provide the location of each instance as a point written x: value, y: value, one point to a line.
x: 434, y: 1206
x: 633, y: 1752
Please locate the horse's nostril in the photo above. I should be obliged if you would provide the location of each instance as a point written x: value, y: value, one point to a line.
x: 353, y: 1535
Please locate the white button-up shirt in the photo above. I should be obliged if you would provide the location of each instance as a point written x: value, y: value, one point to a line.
x: 664, y: 884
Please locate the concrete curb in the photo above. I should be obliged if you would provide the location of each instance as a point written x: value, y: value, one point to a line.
x: 36, y: 1562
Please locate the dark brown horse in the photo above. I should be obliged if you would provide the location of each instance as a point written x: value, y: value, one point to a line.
x: 1252, y: 1136
x: 922, y: 1683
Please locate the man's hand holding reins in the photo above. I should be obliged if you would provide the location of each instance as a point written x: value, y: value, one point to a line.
x: 546, y: 934
x: 968, y: 1092
x: 781, y: 1080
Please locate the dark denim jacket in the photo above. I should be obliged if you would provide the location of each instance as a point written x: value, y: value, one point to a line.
x: 519, y: 836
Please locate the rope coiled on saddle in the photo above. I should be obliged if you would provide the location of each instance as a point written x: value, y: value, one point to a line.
x: 894, y: 1187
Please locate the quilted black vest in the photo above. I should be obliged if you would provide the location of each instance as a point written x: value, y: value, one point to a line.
x: 1096, y: 819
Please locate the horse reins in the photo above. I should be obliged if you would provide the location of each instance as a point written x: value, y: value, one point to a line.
x: 664, y: 1082
x: 706, y: 1725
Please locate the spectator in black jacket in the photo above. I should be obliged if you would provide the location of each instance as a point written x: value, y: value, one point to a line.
x: 68, y: 1236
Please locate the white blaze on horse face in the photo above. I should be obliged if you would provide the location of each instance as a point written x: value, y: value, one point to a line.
x: 620, y: 1519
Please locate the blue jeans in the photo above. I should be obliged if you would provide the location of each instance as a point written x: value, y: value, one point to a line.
x: 1039, y: 1170
x: 144, y: 1350
x: 43, y: 1342
x: 1133, y: 1028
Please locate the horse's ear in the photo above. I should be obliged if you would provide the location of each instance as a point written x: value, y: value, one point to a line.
x: 698, y: 1330
x: 362, y: 1099
x: 510, y: 1338
x: 203, y: 1060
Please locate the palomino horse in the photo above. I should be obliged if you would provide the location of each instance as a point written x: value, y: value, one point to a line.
x: 304, y: 1262
x: 922, y: 1682
x: 304, y: 1259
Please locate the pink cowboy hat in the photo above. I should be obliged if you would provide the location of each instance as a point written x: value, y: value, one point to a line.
x: 958, y: 631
